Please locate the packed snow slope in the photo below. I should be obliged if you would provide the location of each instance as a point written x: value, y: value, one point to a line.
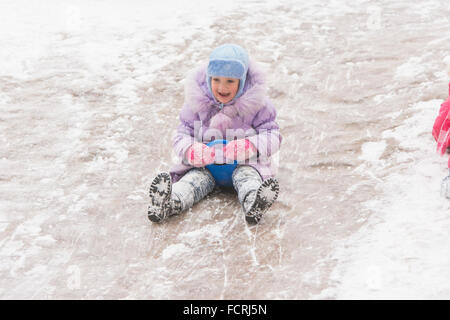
x: 90, y: 93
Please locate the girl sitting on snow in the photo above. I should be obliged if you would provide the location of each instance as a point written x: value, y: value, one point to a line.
x: 441, y: 133
x: 224, y: 100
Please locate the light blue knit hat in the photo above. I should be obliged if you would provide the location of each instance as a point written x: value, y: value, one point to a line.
x: 231, y: 61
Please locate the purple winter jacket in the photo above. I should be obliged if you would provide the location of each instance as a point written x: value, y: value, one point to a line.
x: 251, y: 116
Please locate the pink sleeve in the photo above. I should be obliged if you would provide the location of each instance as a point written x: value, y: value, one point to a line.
x: 443, y: 112
x: 442, y: 116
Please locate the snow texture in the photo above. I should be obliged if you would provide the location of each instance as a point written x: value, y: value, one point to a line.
x: 90, y: 93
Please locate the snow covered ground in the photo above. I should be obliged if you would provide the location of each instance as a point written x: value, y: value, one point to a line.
x: 89, y: 97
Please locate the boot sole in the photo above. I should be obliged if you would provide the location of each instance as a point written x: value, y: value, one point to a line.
x: 159, y: 193
x: 265, y: 196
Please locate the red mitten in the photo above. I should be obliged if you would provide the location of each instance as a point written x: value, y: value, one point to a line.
x: 239, y: 150
x: 200, y: 155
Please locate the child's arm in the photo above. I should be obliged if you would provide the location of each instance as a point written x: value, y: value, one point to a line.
x: 184, y: 137
x: 194, y: 153
x: 268, y: 138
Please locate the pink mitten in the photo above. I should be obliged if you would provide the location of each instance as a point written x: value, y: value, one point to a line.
x: 200, y: 155
x: 239, y: 150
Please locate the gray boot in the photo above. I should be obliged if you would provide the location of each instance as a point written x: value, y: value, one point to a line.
x: 169, y: 199
x: 162, y: 205
x: 264, y: 197
x: 255, y: 195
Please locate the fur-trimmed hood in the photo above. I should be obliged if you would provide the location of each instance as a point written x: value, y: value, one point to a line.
x: 200, y: 99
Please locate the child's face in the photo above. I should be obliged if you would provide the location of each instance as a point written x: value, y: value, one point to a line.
x: 224, y: 89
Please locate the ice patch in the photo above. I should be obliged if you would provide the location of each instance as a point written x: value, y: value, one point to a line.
x: 213, y: 231
x: 37, y: 270
x: 134, y: 197
x: 174, y: 250
x: 11, y: 248
x: 372, y: 151
x: 3, y: 226
x: 44, y: 241
x: 31, y: 227
x: 4, y: 99
x: 411, y: 69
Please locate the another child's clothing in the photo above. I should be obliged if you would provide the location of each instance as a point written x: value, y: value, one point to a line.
x: 441, y: 128
x: 441, y: 133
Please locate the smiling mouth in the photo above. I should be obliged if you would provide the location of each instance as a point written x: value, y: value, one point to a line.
x: 224, y: 95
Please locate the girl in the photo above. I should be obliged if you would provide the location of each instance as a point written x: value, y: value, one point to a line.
x: 224, y: 100
x: 441, y: 133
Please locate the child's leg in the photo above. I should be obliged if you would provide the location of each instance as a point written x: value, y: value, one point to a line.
x: 246, y: 181
x: 191, y: 188
x: 255, y: 195
x: 168, y: 199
